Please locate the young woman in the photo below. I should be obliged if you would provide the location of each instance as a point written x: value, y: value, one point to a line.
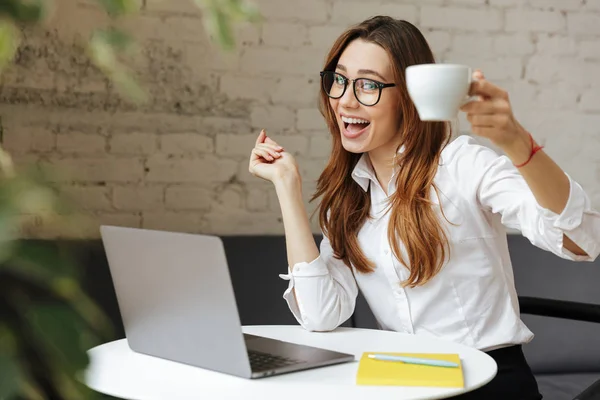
x: 417, y: 222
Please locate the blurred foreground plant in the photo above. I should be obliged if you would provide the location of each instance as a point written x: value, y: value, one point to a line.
x: 47, y: 322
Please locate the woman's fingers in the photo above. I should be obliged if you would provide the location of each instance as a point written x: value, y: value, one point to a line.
x: 265, y: 148
x: 486, y: 120
x: 258, y: 153
x: 261, y: 137
x: 264, y: 139
x: 270, y: 141
x: 264, y: 151
x: 272, y: 150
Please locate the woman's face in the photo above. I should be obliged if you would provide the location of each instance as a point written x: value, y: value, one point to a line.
x: 367, y: 128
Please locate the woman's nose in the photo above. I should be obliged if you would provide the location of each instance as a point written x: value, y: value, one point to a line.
x: 349, y: 100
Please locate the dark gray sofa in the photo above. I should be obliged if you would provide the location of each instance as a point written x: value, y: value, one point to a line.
x: 564, y: 355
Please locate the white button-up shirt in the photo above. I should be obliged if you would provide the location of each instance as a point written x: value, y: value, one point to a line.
x: 472, y: 300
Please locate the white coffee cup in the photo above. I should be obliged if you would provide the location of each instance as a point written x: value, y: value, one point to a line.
x: 438, y: 90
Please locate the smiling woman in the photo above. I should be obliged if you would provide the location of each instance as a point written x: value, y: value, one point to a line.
x: 418, y: 223
x: 366, y: 57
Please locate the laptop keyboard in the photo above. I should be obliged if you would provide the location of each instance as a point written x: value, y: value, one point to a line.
x: 263, y: 361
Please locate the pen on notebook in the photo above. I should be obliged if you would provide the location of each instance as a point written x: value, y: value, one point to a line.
x: 414, y: 360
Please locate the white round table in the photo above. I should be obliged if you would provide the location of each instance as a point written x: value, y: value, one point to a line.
x: 116, y: 370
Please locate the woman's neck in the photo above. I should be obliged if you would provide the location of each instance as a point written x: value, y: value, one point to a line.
x: 383, y: 161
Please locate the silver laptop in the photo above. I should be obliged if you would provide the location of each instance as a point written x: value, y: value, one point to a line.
x: 177, y: 302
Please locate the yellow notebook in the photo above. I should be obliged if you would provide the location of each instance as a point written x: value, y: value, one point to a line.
x: 392, y: 373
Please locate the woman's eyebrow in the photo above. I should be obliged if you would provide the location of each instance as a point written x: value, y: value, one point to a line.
x: 362, y: 71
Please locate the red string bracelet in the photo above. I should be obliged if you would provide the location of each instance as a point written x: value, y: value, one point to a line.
x: 534, y: 149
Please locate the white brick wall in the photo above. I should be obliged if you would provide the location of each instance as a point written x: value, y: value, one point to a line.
x: 481, y: 19
x: 180, y: 162
x: 345, y: 12
x: 534, y: 21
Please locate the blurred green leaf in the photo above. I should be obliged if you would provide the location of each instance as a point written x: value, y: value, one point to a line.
x: 225, y: 31
x: 219, y: 27
x: 11, y: 376
x: 219, y: 16
x: 48, y: 259
x: 120, y: 7
x: 103, y: 49
x: 55, y: 269
x: 50, y: 321
x: 26, y: 194
x: 117, y: 39
x: 9, y: 219
x: 41, y: 192
x: 127, y: 85
x: 243, y: 10
x: 8, y: 227
x: 27, y: 11
x: 9, y: 42
x: 59, y: 329
x: 101, y: 52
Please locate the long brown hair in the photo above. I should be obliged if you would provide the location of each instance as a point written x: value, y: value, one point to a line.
x: 345, y: 205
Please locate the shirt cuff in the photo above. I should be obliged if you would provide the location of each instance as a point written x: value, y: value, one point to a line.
x: 568, y: 222
x: 290, y: 299
x: 572, y: 215
x: 301, y: 270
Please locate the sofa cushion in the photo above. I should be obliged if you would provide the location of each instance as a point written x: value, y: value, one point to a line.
x: 564, y: 386
x: 562, y: 345
x: 559, y: 345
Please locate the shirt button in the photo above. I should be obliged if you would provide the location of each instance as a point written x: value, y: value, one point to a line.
x: 386, y: 252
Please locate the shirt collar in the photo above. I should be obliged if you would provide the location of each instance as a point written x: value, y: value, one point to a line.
x: 363, y: 172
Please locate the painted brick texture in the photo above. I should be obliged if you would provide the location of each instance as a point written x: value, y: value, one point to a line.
x: 180, y: 162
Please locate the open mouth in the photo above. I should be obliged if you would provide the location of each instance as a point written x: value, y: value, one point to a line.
x: 355, y: 125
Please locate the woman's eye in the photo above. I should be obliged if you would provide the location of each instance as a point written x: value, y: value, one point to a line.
x: 369, y: 85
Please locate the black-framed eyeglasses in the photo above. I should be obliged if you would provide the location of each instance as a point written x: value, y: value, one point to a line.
x: 366, y: 91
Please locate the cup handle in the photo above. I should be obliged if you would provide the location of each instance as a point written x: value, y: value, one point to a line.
x: 468, y: 98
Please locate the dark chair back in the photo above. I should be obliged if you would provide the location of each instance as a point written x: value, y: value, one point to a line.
x: 560, y: 345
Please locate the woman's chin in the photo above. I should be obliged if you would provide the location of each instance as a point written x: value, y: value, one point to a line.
x: 354, y: 145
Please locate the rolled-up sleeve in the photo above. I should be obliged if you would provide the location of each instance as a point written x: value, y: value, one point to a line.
x: 325, y: 291
x: 502, y: 189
